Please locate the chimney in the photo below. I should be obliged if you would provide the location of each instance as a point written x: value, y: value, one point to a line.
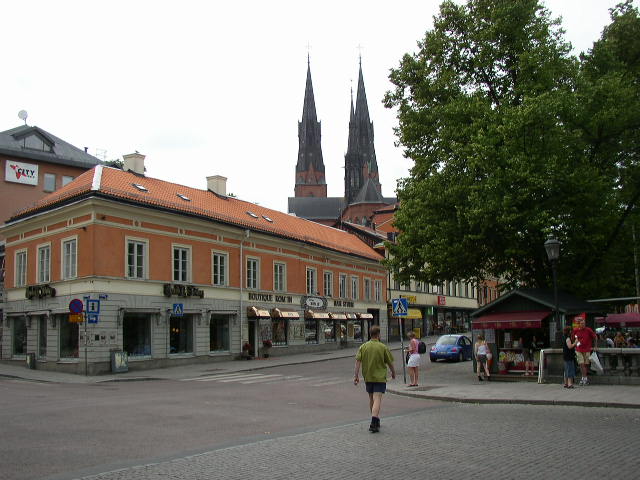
x: 217, y: 184
x: 134, y: 162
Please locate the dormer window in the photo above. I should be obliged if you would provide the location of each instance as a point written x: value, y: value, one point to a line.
x: 267, y: 219
x: 183, y: 197
x: 251, y: 214
x: 142, y: 188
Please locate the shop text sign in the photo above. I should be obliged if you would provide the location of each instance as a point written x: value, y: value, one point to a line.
x: 267, y: 297
x: 442, y: 300
x: 19, y: 172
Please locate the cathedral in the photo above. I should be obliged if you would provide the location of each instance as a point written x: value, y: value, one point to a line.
x: 362, y: 189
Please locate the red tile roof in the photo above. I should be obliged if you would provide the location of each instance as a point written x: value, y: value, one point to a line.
x: 117, y: 184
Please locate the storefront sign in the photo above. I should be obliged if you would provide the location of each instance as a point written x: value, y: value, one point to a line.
x: 267, y: 297
x: 442, y: 300
x: 19, y: 172
x: 342, y: 303
x: 411, y: 298
x: 313, y: 302
x: 182, y: 291
x: 40, y: 291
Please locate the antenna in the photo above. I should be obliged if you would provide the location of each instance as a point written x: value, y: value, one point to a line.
x: 22, y: 115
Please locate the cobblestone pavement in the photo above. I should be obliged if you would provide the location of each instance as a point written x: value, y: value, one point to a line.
x: 445, y: 441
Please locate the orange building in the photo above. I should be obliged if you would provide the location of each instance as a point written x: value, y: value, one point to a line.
x: 171, y: 274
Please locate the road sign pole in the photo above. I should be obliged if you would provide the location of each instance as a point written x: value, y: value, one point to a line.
x: 402, y: 355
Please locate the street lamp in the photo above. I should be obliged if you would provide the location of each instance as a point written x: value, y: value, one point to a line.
x: 552, y: 246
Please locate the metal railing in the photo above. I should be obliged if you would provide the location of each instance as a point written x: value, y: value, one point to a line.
x: 616, y: 362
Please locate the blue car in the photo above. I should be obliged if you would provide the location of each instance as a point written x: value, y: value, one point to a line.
x: 451, y: 347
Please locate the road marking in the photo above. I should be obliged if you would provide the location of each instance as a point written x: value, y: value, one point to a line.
x: 333, y: 381
x: 227, y: 377
x: 266, y: 378
x: 286, y: 378
x: 242, y: 377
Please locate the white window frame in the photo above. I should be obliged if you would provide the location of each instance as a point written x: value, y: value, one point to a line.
x: 255, y: 277
x: 279, y: 284
x: 312, y: 281
x: 69, y: 271
x: 355, y: 287
x: 342, y: 285
x: 44, y: 269
x: 223, y: 272
x: 327, y: 284
x: 20, y: 268
x: 145, y: 257
x: 44, y: 182
x: 367, y: 289
x: 187, y: 248
x: 377, y: 290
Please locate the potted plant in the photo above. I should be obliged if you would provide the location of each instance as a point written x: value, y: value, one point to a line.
x: 246, y: 351
x: 266, y: 347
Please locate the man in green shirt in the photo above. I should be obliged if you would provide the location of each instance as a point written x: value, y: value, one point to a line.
x: 375, y: 357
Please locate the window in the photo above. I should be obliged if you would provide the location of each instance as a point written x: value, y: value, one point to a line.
x: 220, y: 269
x: 377, y: 290
x: 142, y: 188
x: 312, y: 286
x: 354, y: 288
x: 181, y: 334
x: 69, y: 258
x: 328, y: 284
x: 44, y: 264
x: 367, y: 289
x: 66, y: 179
x: 180, y: 264
x: 342, y: 285
x: 21, y: 268
x: 311, y: 331
x: 136, y: 334
x: 279, y: 277
x: 136, y: 259
x: 19, y: 335
x: 219, y: 333
x: 279, y: 331
x: 329, y: 331
x: 69, y: 337
x: 42, y: 336
x: 49, y: 182
x: 252, y: 273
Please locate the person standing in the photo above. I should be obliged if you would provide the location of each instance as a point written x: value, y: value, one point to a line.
x: 374, y: 357
x: 480, y: 351
x: 569, y: 357
x: 585, y: 338
x: 413, y: 361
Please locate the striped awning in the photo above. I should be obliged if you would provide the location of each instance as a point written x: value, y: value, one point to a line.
x: 365, y: 316
x: 505, y: 320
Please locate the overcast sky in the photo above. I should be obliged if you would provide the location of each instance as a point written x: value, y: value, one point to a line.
x: 216, y: 88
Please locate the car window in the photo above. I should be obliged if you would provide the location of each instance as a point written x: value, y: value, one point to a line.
x: 446, y: 341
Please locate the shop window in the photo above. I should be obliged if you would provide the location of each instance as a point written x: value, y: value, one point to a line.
x: 69, y: 338
x: 219, y: 333
x: 21, y: 268
x: 181, y: 334
x: 329, y: 330
x: 42, y: 336
x: 69, y: 259
x: 312, y: 286
x: 220, y: 269
x: 358, y: 328
x: 328, y: 284
x: 136, y: 259
x: 279, y: 329
x: 311, y: 331
x: 49, y: 182
x: 136, y: 334
x: 279, y: 277
x: 44, y: 264
x: 19, y: 336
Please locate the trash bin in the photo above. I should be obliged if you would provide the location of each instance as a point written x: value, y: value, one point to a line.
x: 31, y: 360
x: 119, y: 362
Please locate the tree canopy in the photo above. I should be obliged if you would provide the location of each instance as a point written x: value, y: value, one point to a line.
x: 513, y: 139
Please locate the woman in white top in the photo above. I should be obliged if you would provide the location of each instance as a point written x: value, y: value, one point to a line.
x: 414, y: 359
x: 480, y: 351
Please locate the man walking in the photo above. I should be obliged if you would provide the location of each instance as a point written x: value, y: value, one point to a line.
x: 585, y: 338
x: 375, y: 357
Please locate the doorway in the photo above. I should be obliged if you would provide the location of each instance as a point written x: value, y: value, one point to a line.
x: 253, y: 337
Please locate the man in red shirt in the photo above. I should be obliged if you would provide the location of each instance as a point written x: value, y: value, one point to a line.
x: 585, y: 338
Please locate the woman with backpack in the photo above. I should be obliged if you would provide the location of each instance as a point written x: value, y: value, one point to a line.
x: 413, y: 359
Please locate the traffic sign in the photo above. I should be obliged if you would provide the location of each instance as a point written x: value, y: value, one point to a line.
x: 178, y: 309
x: 93, y: 306
x: 76, y: 318
x: 92, y: 318
x: 400, y: 307
x: 76, y: 306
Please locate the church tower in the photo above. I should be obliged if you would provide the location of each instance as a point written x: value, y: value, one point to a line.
x: 360, y: 164
x: 310, y: 176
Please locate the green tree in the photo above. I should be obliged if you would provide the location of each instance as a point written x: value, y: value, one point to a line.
x: 489, y: 109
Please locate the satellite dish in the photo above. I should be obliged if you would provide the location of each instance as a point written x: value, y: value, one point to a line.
x: 22, y: 115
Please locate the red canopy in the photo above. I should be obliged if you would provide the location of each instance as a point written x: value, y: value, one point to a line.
x: 617, y: 320
x: 503, y: 320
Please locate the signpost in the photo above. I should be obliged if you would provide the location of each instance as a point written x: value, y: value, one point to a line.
x: 400, y: 308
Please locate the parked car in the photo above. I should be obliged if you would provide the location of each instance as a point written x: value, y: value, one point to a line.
x: 452, y: 347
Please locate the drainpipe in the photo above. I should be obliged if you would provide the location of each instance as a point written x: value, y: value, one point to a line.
x: 247, y: 232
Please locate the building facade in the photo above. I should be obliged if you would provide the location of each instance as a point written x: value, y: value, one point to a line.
x: 116, y: 261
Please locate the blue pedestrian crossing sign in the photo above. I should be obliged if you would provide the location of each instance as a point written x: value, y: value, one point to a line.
x: 400, y: 307
x: 178, y: 309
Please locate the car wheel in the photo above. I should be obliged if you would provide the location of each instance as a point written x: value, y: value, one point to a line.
x: 433, y: 359
x: 461, y: 357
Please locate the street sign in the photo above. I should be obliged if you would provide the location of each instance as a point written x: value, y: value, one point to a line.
x: 178, y: 309
x: 92, y: 318
x: 76, y: 318
x: 400, y: 307
x: 76, y: 306
x: 93, y: 306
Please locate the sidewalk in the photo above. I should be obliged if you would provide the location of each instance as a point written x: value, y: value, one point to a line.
x: 453, y: 382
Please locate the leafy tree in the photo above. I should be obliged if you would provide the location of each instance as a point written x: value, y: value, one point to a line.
x: 115, y: 163
x: 500, y: 121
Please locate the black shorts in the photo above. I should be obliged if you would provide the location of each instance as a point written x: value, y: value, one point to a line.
x: 376, y: 387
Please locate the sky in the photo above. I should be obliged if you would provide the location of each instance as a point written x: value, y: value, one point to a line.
x: 216, y: 88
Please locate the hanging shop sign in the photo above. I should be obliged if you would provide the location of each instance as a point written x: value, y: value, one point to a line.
x: 311, y: 302
x: 40, y: 291
x: 170, y: 290
x: 442, y: 300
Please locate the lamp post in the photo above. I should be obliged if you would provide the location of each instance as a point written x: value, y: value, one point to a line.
x: 552, y: 246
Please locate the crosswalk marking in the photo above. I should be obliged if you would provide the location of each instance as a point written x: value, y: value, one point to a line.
x: 334, y: 381
x: 246, y: 378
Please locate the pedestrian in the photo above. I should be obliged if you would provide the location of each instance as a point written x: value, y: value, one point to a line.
x: 569, y: 357
x: 413, y: 359
x: 480, y: 351
x: 585, y: 338
x: 529, y: 352
x: 375, y: 357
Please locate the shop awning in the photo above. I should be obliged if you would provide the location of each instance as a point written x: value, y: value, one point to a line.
x: 280, y: 313
x: 316, y: 315
x: 350, y: 316
x: 630, y: 319
x: 255, y: 312
x: 364, y: 316
x: 338, y: 316
x: 503, y: 320
x: 414, y: 313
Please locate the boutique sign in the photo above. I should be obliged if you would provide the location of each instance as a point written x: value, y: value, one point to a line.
x: 19, y: 172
